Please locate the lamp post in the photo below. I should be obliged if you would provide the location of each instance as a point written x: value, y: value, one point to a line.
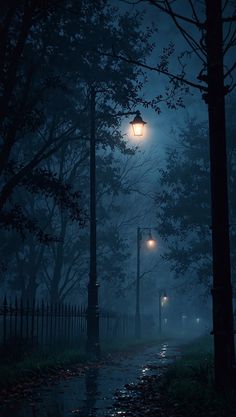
x: 150, y: 244
x: 92, y: 314
x: 93, y: 343
x: 162, y: 298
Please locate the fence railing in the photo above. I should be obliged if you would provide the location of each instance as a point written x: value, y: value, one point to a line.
x: 48, y: 325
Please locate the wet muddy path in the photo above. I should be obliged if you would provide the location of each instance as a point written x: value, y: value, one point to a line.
x: 93, y: 393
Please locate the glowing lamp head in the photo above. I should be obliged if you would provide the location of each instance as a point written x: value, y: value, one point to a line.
x: 151, y: 243
x: 138, y: 124
x: 164, y: 297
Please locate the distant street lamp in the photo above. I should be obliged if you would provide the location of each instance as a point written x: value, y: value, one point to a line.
x: 150, y: 244
x: 92, y: 315
x: 162, y: 299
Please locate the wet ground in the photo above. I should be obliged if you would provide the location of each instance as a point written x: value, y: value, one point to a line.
x: 93, y: 394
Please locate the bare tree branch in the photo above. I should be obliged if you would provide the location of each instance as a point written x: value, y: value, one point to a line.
x: 231, y: 42
x: 194, y: 45
x: 230, y: 70
x: 229, y: 19
x: 176, y: 77
x: 158, y: 4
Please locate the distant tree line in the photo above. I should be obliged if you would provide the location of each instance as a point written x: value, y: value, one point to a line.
x: 183, y: 202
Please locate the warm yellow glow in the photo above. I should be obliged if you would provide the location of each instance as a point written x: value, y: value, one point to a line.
x: 138, y: 129
x: 151, y: 243
x: 140, y: 140
x: 138, y: 124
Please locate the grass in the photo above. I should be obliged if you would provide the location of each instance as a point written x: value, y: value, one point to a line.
x: 21, y: 363
x: 189, y: 384
x: 38, y: 364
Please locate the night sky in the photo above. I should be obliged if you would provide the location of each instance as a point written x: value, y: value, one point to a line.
x: 81, y: 196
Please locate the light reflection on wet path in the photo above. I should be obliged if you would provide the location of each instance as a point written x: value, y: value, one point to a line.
x: 92, y: 394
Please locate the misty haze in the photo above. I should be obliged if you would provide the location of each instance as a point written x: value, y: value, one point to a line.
x: 117, y: 208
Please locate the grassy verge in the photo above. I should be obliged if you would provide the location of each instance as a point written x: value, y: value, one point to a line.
x: 35, y: 364
x: 189, y: 384
x: 38, y: 364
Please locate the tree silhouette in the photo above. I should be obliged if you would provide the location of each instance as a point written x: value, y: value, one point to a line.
x: 201, y: 25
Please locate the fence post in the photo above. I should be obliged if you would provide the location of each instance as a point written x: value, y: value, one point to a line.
x: 47, y: 318
x: 68, y: 324
x: 42, y: 321
x: 73, y: 324
x: 27, y: 319
x: 62, y: 330
x: 10, y: 312
x: 55, y: 323
x: 5, y: 320
x: 51, y: 320
x: 32, y: 320
x: 59, y: 319
x: 77, y: 323
x: 37, y: 322
x: 16, y: 311
x: 21, y: 318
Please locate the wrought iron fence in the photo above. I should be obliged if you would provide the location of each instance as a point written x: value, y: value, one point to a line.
x: 48, y: 325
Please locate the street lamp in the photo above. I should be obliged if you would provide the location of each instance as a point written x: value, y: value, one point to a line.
x: 150, y: 244
x: 92, y: 314
x: 138, y: 124
x: 162, y: 299
x: 93, y: 343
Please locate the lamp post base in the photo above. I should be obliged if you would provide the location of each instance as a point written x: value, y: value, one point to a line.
x: 137, y: 326
x: 93, y: 344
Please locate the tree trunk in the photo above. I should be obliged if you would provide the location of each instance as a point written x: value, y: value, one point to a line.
x: 222, y: 290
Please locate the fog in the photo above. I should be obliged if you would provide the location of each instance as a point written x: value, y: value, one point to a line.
x: 158, y: 182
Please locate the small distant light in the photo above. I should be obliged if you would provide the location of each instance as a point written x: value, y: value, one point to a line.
x: 151, y: 243
x: 197, y: 320
x: 165, y: 321
x: 184, y: 317
x: 164, y: 297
